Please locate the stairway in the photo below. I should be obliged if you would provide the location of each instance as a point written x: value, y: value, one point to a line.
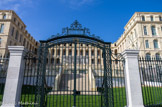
x: 82, y: 82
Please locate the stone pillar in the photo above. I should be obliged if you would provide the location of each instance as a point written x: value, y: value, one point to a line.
x: 132, y: 79
x: 14, y: 79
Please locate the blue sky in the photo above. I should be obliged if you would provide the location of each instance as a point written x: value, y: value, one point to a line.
x: 104, y: 18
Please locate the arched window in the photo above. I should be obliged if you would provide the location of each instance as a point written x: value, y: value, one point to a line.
x: 156, y: 44
x: 157, y: 55
x: 4, y: 16
x: 148, y: 56
x: 143, y: 18
x: 153, y: 29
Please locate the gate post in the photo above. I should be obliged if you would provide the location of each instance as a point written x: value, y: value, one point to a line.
x: 14, y: 79
x: 132, y: 79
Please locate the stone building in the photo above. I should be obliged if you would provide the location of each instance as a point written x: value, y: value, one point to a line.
x: 13, y: 32
x: 143, y: 32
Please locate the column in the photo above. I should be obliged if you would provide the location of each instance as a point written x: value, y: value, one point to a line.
x: 132, y: 79
x: 14, y: 79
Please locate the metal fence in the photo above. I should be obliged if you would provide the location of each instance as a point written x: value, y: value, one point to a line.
x: 3, y: 73
x: 29, y: 81
x: 151, y: 81
x: 28, y: 96
x: 119, y: 91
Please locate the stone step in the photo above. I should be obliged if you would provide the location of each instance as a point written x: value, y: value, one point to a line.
x: 82, y: 82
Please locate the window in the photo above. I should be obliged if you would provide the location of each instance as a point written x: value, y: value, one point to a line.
x: 64, y: 52
x: 4, y: 16
x: 148, y: 56
x: 0, y: 41
x: 58, y: 61
x: 93, y: 62
x: 17, y: 34
x: 157, y: 55
x: 145, y: 30
x: 116, y: 52
x: 20, y: 38
x: 58, y: 52
x: 99, y: 61
x: 151, y: 17
x: 143, y: 18
x: 2, y: 28
x: 24, y: 42
x: 153, y: 30
x: 12, y: 32
x: 70, y: 52
x: 87, y: 53
x: 156, y: 44
x: 92, y: 52
x: 52, y: 60
x: 35, y: 51
x: 160, y: 18
x: 81, y: 52
x: 14, y: 19
x: 98, y: 52
x: 147, y: 44
x: 52, y: 51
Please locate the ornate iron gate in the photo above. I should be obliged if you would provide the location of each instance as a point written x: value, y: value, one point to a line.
x: 74, y: 69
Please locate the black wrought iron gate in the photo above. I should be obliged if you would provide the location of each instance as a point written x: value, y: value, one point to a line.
x: 74, y: 71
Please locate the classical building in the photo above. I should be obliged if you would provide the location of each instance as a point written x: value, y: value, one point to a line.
x: 13, y: 32
x: 143, y: 32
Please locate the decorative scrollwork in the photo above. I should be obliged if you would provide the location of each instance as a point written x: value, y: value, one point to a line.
x: 30, y: 55
x: 75, y: 29
x: 76, y: 25
x: 117, y: 56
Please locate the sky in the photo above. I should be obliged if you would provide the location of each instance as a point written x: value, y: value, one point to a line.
x: 104, y: 18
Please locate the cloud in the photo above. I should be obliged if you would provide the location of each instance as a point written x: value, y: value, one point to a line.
x: 15, y: 4
x: 77, y: 3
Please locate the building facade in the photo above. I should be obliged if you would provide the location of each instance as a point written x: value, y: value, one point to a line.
x: 143, y: 32
x: 13, y: 32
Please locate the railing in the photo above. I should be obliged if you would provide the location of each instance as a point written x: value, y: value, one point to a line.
x: 118, y: 80
x: 119, y: 91
x: 29, y: 81
x: 151, y: 81
x: 3, y: 73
